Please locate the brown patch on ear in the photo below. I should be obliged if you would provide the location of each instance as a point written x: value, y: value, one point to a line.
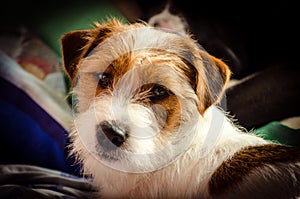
x: 224, y: 70
x: 72, y: 47
x: 212, y: 78
x: 79, y: 43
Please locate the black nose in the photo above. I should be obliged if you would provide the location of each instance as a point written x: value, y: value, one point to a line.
x: 115, y: 133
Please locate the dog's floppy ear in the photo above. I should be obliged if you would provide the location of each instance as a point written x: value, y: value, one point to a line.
x: 73, y: 44
x: 212, y: 77
x: 77, y: 44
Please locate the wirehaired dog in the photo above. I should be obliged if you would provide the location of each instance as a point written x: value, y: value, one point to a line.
x: 148, y: 123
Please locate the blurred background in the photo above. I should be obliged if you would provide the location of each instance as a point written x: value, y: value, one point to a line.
x: 259, y: 41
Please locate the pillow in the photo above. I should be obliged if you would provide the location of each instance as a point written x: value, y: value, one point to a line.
x: 34, y: 122
x: 28, y: 135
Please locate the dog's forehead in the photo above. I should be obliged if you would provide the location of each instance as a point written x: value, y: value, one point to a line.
x: 138, y: 45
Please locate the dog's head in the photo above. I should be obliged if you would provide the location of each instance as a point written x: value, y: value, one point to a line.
x: 140, y: 92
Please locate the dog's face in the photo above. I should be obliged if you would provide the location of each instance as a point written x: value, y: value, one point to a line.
x: 139, y: 93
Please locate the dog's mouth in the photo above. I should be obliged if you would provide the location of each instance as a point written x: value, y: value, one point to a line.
x: 108, y: 156
x: 118, y: 149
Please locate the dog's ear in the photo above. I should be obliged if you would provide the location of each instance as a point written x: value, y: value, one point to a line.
x: 73, y: 44
x: 76, y: 45
x: 212, y: 77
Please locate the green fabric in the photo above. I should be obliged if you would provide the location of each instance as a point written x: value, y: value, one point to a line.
x: 279, y: 133
x: 67, y: 16
x: 56, y: 19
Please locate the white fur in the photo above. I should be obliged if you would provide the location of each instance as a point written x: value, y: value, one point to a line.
x: 152, y: 163
x: 143, y: 171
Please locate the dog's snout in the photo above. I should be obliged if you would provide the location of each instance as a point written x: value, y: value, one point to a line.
x: 114, y: 132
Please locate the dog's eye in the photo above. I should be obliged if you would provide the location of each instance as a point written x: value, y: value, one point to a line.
x: 104, y: 80
x: 158, y: 93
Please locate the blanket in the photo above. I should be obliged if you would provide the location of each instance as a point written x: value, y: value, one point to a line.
x: 28, y: 182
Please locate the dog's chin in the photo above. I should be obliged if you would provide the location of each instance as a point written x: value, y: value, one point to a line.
x: 116, y: 160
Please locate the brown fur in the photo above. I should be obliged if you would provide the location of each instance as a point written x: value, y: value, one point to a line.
x: 234, y: 170
x: 77, y: 45
x: 238, y: 165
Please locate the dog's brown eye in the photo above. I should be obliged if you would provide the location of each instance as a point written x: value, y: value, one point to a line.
x: 158, y: 93
x: 104, y: 80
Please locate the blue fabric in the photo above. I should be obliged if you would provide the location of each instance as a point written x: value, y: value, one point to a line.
x: 28, y: 134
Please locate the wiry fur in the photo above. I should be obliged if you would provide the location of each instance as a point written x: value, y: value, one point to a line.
x: 174, y: 146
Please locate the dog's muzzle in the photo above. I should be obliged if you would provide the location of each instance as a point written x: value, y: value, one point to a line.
x: 111, y: 134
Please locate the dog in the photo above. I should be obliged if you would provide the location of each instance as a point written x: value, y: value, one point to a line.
x: 147, y: 120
